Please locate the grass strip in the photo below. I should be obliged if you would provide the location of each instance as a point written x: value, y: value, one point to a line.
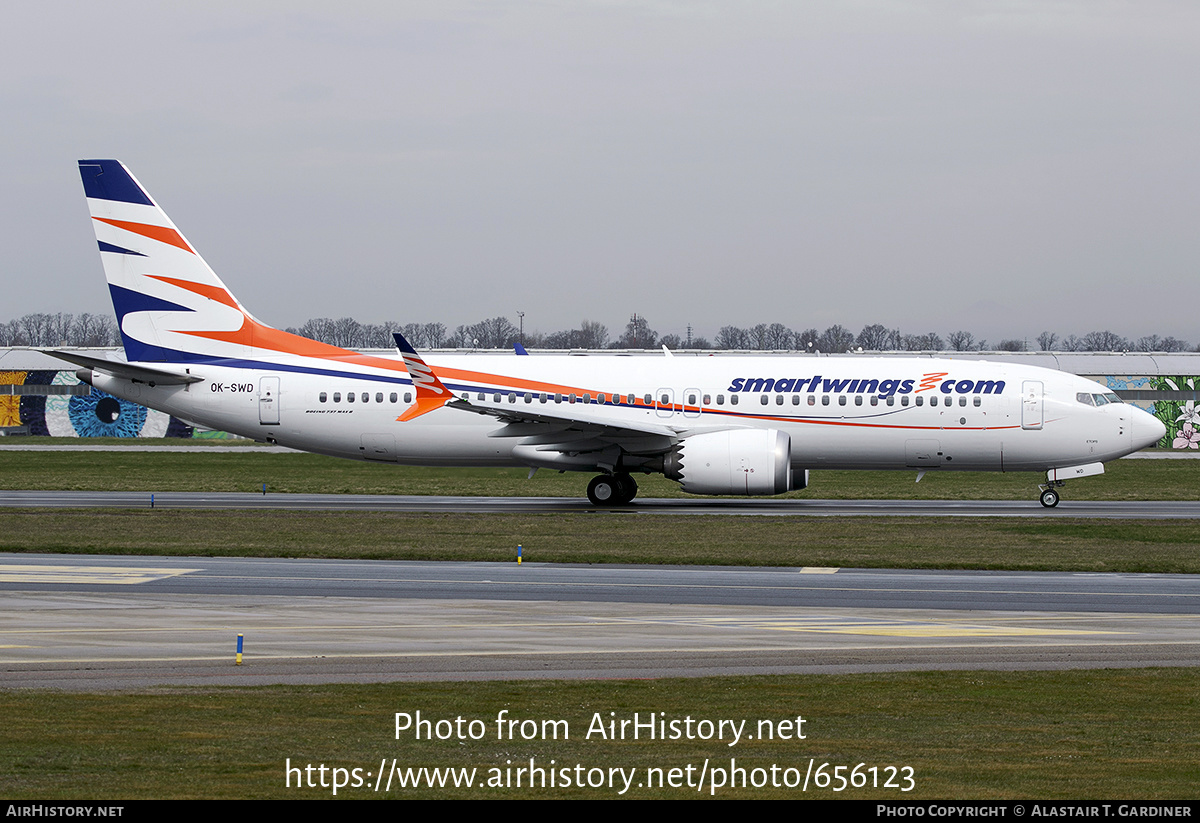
x: 1167, y: 546
x: 967, y: 735
x: 248, y: 470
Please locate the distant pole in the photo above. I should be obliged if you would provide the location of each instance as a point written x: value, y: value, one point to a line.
x: 239, y: 651
x: 518, y: 554
x: 521, y: 315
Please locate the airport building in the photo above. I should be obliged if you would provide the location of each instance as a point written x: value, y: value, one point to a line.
x: 41, y: 398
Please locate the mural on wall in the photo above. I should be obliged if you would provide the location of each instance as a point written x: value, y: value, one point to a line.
x: 1182, y: 418
x: 10, y: 406
x: 96, y: 414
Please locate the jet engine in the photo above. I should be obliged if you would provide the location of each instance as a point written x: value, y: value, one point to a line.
x: 736, y: 461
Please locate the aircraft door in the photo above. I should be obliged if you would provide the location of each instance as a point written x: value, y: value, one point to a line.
x: 268, y: 401
x: 1032, y: 411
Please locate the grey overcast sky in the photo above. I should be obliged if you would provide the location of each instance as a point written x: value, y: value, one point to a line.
x: 1001, y: 167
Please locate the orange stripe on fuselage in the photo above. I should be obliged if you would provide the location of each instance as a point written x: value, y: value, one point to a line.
x: 162, y: 234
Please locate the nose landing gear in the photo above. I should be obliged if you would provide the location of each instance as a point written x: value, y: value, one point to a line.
x: 1049, y: 496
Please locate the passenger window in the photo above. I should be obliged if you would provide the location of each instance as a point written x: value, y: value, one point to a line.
x: 587, y: 398
x: 841, y: 399
x: 904, y: 400
x: 812, y: 400
x: 528, y: 397
x: 874, y: 400
x: 324, y: 397
x: 407, y: 397
x: 379, y: 397
x: 779, y: 400
x: 349, y: 397
x: 337, y: 397
x: 366, y: 397
x: 630, y: 399
x: 648, y: 399
x: 858, y: 399
x: 392, y: 397
x: 542, y: 397
x: 824, y: 400
x: 691, y: 399
x: 978, y: 401
x: 763, y: 399
x: 921, y: 401
x: 891, y: 400
x: 720, y: 400
x: 733, y: 399
x: 932, y: 400
x: 962, y: 401
x: 481, y: 396
x: 512, y: 397
x: 708, y: 399
x: 795, y: 400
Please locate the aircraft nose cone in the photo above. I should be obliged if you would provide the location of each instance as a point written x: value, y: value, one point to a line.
x: 1147, y: 429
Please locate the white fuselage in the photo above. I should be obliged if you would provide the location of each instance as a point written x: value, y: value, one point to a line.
x: 851, y: 412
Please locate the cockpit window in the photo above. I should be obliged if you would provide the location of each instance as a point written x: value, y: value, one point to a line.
x: 1113, y: 398
x: 1100, y: 399
x: 1084, y: 398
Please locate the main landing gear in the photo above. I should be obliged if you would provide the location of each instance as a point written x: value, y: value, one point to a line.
x: 611, y: 490
x: 1049, y: 496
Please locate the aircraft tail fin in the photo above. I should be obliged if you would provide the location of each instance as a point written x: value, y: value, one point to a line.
x: 170, y: 306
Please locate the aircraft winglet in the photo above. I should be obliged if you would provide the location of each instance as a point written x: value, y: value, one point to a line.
x: 431, y: 394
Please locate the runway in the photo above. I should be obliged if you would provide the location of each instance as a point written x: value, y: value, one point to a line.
x: 1139, y: 510
x: 102, y: 622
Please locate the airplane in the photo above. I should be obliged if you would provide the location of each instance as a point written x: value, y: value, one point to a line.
x: 753, y: 425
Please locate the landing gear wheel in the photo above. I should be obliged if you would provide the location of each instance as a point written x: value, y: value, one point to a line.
x: 627, y: 488
x: 1049, y: 498
x: 604, y: 490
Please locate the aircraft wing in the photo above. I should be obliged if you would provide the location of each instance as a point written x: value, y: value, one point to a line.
x: 578, y: 428
x: 574, y: 435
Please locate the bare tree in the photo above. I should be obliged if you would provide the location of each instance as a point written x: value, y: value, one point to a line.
x: 875, y: 337
x: 1104, y: 341
x: 638, y: 335
x: 1046, y: 340
x: 961, y: 340
x: 836, y: 338
x: 732, y: 337
x: 807, y: 340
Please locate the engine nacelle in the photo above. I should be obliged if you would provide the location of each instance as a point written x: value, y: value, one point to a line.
x: 738, y: 461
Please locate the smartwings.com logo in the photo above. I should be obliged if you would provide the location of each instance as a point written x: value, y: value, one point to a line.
x: 884, y: 388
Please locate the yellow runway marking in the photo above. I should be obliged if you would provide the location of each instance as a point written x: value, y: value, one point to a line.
x: 109, y: 575
x: 884, y: 628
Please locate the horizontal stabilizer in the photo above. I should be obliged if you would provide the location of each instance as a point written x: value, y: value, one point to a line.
x: 121, y: 368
